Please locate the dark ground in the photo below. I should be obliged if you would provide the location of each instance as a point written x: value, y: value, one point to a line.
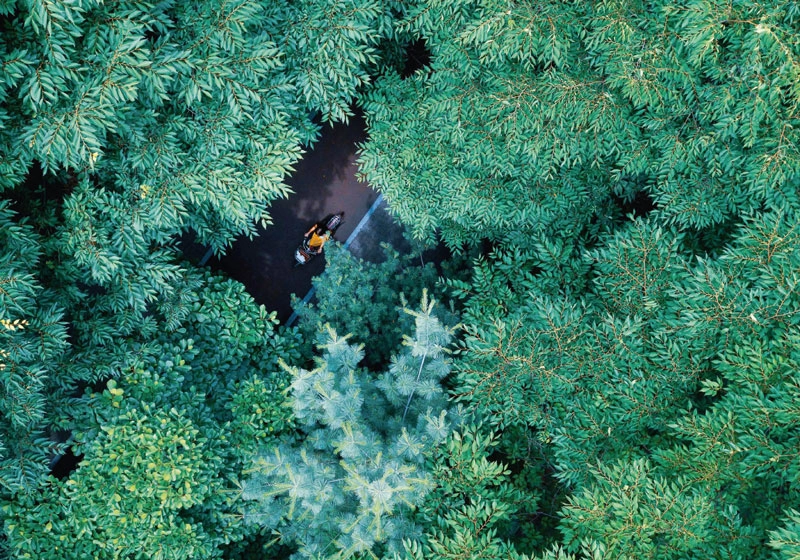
x: 380, y: 228
x: 324, y: 183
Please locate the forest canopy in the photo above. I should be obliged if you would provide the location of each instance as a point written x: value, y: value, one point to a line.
x: 607, y: 367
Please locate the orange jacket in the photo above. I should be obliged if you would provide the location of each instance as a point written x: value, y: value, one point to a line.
x: 317, y: 241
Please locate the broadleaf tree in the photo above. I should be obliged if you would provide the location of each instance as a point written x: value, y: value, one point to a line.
x: 122, y: 128
x: 629, y: 173
x: 164, y: 444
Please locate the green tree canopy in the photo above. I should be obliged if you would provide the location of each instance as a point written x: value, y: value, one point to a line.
x: 533, y: 117
x: 620, y: 347
x: 163, y: 446
x: 344, y: 486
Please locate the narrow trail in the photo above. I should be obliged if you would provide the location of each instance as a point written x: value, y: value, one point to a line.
x: 324, y: 183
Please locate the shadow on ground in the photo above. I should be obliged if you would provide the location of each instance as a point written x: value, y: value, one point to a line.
x: 324, y: 182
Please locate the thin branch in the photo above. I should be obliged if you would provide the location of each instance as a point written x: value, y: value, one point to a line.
x: 419, y: 373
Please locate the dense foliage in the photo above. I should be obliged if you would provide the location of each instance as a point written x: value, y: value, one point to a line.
x: 124, y: 126
x: 344, y: 485
x: 634, y: 169
x: 366, y: 301
x: 163, y: 446
x: 533, y: 117
x: 623, y: 381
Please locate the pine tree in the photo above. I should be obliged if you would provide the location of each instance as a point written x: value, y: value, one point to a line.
x: 366, y: 300
x: 356, y: 468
